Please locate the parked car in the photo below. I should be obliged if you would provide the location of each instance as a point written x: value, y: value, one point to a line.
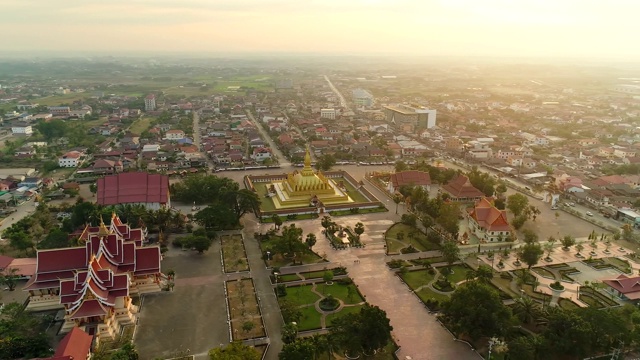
x: 589, y: 213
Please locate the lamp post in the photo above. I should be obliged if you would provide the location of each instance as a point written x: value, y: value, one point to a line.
x: 275, y: 274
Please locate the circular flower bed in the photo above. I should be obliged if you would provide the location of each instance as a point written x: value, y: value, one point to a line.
x: 556, y: 286
x: 329, y: 303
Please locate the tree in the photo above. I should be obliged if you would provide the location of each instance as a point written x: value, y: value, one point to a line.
x: 234, y: 351
x: 325, y: 162
x: 290, y: 242
x: 290, y: 312
x: 367, y: 330
x: 484, y: 273
x: 126, y: 352
x: 247, y: 326
x: 548, y: 248
x: 57, y: 238
x: 310, y: 240
x: 198, y: 243
x: 216, y: 216
x: 22, y: 334
x: 567, y: 334
x: 277, y: 221
x: 9, y: 277
x: 500, y: 204
x: 448, y: 218
x: 401, y: 166
x: 567, y: 241
x: 530, y: 237
x: 579, y: 248
x: 501, y: 189
x: 300, y: 349
x: 397, y: 198
x: 289, y: 333
x: 517, y: 203
x: 487, y: 317
x: 20, y: 241
x: 450, y: 252
x: 526, y: 309
x: 530, y: 254
x: 359, y: 229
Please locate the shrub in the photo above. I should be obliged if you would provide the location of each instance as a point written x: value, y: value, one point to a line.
x: 345, y: 281
x: 178, y: 242
x: 394, y: 264
x: 557, y: 286
x: 341, y: 270
x: 281, y: 290
x: 409, y: 250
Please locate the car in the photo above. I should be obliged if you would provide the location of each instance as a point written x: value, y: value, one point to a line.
x: 589, y: 213
x: 571, y: 204
x: 527, y: 188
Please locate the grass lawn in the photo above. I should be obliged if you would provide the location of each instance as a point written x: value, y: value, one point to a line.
x: 621, y: 265
x: 288, y: 277
x: 301, y: 295
x: 351, y: 191
x: 394, y: 246
x: 314, y: 274
x: 426, y: 293
x: 344, y: 311
x: 459, y: 273
x: 140, y: 125
x: 598, y: 295
x: 420, y: 240
x: 340, y: 291
x: 417, y: 278
x: 266, y: 204
x: 543, y: 272
x: 567, y: 304
x: 310, y: 319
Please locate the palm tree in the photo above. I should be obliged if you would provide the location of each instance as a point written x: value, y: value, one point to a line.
x: 526, y: 309
x: 397, y: 198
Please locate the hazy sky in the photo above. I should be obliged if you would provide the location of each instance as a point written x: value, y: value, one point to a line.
x: 583, y: 28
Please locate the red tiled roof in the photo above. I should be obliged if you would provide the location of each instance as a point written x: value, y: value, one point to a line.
x: 134, y: 187
x: 89, y: 308
x: 625, y: 285
x: 75, y: 345
x: 61, y: 259
x: 489, y: 217
x: 461, y: 188
x: 413, y: 177
x: 5, y: 261
x: 148, y: 258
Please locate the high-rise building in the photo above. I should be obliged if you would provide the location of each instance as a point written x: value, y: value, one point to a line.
x: 150, y: 102
x: 410, y: 116
x: 362, y: 97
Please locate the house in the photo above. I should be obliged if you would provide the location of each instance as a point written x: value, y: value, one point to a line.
x: 624, y: 287
x: 174, y: 135
x: 487, y: 222
x: 21, y: 129
x: 76, y: 345
x: 261, y: 154
x: 409, y: 178
x: 461, y: 189
x: 150, y: 190
x: 70, y: 159
x: 104, y: 166
x: 94, y: 283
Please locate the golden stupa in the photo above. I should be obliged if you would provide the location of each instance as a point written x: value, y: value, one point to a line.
x: 306, y: 188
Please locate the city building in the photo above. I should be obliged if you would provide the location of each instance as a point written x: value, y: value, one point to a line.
x: 94, y: 283
x: 461, y: 189
x: 409, y: 178
x: 410, y: 117
x: 328, y: 114
x: 59, y: 110
x: 362, y: 98
x: 22, y: 129
x: 174, y: 135
x: 150, y: 102
x: 487, y: 222
x: 150, y: 190
x: 70, y: 159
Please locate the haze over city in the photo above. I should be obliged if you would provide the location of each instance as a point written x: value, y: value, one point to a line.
x: 542, y: 28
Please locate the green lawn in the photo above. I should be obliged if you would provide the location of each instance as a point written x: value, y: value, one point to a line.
x: 567, y: 304
x: 310, y: 319
x: 426, y: 294
x: 419, y: 241
x: 140, y: 125
x: 417, y: 278
x: 340, y: 291
x: 308, y: 257
x: 543, y: 272
x: 313, y: 274
x: 266, y: 204
x: 301, y: 295
x: 344, y: 311
x: 288, y: 277
x: 459, y: 273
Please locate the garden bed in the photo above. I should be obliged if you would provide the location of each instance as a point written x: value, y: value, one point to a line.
x: 419, y: 240
x: 234, y: 256
x: 601, y: 298
x: 277, y: 260
x: 567, y: 304
x: 543, y: 272
x: 243, y: 308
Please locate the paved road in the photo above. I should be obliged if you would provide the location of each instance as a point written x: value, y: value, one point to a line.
x: 22, y: 211
x: 196, y: 129
x: 343, y: 102
x: 274, y: 149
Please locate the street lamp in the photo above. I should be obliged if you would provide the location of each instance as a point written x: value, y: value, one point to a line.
x: 275, y: 274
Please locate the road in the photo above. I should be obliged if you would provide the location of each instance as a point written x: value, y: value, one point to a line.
x: 196, y: 129
x: 282, y: 160
x: 22, y: 211
x: 343, y: 102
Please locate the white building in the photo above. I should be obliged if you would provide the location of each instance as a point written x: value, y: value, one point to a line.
x: 328, y: 113
x: 150, y: 102
x: 174, y: 135
x: 22, y: 129
x: 362, y: 98
x: 70, y: 159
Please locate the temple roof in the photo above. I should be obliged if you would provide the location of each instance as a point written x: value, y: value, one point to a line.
x: 461, y: 188
x: 76, y: 345
x: 489, y: 217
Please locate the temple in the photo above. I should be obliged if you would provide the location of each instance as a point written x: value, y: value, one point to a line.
x: 94, y: 283
x: 306, y: 188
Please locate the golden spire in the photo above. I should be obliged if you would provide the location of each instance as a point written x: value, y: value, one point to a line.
x: 307, y: 159
x: 103, y: 228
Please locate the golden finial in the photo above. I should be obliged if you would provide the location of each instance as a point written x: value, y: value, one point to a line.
x: 103, y: 228
x: 307, y: 159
